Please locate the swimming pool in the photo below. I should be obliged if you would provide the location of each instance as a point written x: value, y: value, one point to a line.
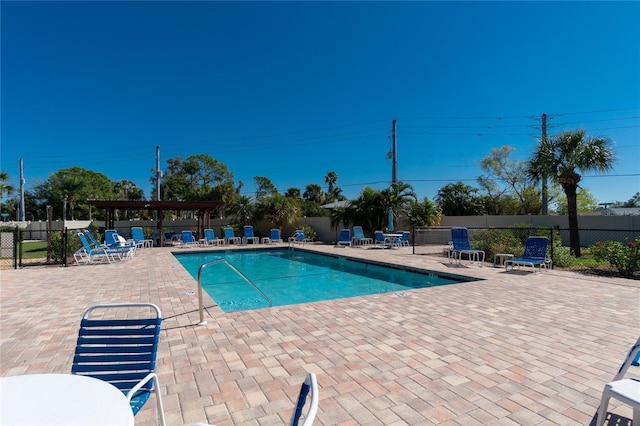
x: 292, y: 277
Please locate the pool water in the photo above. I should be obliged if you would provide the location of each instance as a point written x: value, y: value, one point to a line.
x: 292, y: 277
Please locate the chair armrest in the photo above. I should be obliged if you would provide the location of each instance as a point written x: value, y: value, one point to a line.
x: 141, y: 383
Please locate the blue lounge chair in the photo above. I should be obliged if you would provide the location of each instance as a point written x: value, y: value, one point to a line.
x: 299, y: 237
x: 359, y: 238
x: 121, y: 351
x: 535, y: 254
x: 137, y: 235
x: 230, y: 237
x: 626, y: 390
x: 113, y: 240
x: 188, y: 239
x: 99, y: 253
x: 345, y: 238
x: 404, y: 240
x: 211, y: 239
x: 248, y: 235
x: 274, y: 236
x: 462, y: 245
x: 310, y: 385
x: 379, y: 239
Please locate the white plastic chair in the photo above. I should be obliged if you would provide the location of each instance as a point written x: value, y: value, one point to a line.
x: 624, y: 390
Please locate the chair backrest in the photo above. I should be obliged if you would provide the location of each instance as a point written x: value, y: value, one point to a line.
x: 405, y: 236
x: 379, y: 236
x: 187, y: 237
x: 248, y: 231
x: 120, y: 351
x: 310, y: 385
x: 111, y: 237
x: 85, y: 243
x: 345, y: 235
x: 275, y: 234
x: 299, y: 234
x: 92, y: 240
x: 137, y: 233
x: 358, y: 232
x: 228, y: 233
x: 536, y: 248
x: 460, y: 239
x: 209, y: 235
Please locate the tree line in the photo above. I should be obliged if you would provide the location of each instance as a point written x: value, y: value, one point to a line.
x: 506, y: 187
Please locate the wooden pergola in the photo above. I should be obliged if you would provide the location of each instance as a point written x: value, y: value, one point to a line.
x: 203, y: 208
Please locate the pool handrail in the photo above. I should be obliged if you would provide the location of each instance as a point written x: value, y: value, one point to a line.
x: 232, y: 266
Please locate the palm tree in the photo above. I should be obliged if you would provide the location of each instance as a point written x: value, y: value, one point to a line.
x: 5, y: 188
x: 241, y: 207
x: 561, y: 157
x: 399, y: 196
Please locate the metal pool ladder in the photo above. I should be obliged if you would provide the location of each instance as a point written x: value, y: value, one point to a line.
x: 232, y: 266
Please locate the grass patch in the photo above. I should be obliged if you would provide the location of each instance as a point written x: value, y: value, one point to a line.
x: 34, y: 249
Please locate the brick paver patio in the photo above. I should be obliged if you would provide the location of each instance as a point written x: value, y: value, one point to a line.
x: 511, y: 349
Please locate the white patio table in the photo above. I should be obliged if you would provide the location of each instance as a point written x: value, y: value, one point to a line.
x: 62, y: 399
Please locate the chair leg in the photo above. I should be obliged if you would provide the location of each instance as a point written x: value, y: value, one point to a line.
x: 159, y: 401
x: 602, y: 410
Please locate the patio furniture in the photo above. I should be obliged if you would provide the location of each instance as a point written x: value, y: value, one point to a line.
x: 345, y: 238
x: 248, y: 235
x: 310, y: 385
x: 626, y: 390
x: 535, y: 254
x: 121, y: 350
x: 462, y: 245
x: 62, y: 399
x: 230, y: 237
x: 211, y: 239
x: 359, y: 238
x: 137, y: 234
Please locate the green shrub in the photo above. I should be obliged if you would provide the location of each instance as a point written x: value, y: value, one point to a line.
x: 562, y: 256
x: 56, y: 247
x: 624, y: 257
x: 493, y: 241
x: 308, y: 231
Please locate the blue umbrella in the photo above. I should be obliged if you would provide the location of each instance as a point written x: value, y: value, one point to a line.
x: 390, y: 224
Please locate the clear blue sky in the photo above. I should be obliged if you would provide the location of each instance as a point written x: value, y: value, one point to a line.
x: 293, y: 90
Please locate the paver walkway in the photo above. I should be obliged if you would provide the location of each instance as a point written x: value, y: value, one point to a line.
x: 511, y: 349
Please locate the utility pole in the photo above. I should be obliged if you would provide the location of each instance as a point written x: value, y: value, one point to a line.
x: 21, y: 213
x: 158, y: 173
x: 545, y: 200
x: 394, y: 154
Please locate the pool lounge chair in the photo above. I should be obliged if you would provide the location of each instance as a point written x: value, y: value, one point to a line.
x: 121, y: 351
x: 137, y: 235
x: 274, y: 236
x: 120, y: 252
x: 188, y: 240
x: 230, y: 237
x: 211, y: 239
x: 535, y: 254
x: 359, y: 238
x: 248, y: 235
x: 345, y: 238
x: 97, y: 254
x: 114, y: 240
x: 626, y: 390
x: 299, y: 237
x: 462, y: 246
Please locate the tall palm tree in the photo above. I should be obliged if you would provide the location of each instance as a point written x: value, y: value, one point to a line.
x: 561, y: 157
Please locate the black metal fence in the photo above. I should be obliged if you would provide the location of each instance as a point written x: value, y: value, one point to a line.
x: 16, y: 251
